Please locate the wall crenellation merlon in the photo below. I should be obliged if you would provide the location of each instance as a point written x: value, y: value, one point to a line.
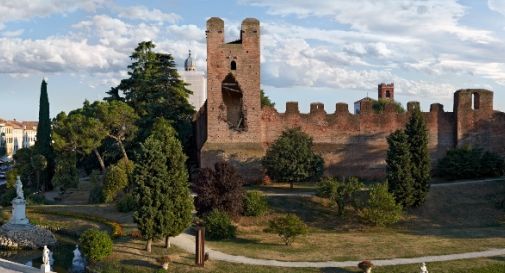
x: 342, y: 108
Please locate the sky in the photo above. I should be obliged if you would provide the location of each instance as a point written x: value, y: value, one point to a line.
x: 311, y: 51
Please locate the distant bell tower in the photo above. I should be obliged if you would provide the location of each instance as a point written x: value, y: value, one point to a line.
x: 386, y: 91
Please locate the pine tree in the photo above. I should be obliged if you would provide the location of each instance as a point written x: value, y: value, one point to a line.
x: 179, y: 203
x: 43, y: 144
x: 399, y: 168
x: 154, y: 89
x: 420, y: 158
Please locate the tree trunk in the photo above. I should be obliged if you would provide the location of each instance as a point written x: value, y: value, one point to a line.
x: 148, y: 245
x: 123, y: 150
x: 100, y: 160
x: 167, y: 242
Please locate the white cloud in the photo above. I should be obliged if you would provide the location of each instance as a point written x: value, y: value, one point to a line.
x: 145, y: 14
x: 414, y: 18
x: 26, y: 9
x: 497, y: 5
x: 13, y: 33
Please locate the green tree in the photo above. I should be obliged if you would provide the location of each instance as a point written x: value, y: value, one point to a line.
x: 76, y: 132
x: 290, y: 158
x: 380, y: 105
x: 43, y: 143
x: 154, y: 89
x: 178, y: 202
x: 39, y: 164
x: 287, y: 227
x: 23, y: 165
x: 115, y: 181
x: 265, y: 100
x: 150, y: 175
x: 418, y: 138
x: 399, y: 168
x: 95, y: 244
x: 66, y: 174
x: 118, y: 119
x: 382, y: 209
x: 341, y: 194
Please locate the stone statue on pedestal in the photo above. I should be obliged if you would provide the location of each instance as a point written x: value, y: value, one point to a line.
x: 19, y: 206
x: 45, y: 267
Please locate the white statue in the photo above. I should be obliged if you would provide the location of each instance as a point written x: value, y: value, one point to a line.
x: 45, y: 256
x: 19, y: 188
x: 424, y: 269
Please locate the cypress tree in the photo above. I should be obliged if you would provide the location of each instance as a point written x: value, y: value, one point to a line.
x: 399, y: 168
x: 150, y: 175
x: 420, y: 158
x: 164, y: 203
x: 178, y: 202
x: 43, y: 143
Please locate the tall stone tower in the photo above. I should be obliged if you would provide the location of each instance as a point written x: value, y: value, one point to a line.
x: 233, y: 86
x: 386, y: 91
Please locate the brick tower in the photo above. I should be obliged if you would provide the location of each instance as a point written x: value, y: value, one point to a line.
x: 233, y: 71
x: 386, y: 91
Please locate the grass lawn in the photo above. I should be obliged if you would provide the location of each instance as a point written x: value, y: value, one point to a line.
x: 129, y: 256
x: 453, y: 220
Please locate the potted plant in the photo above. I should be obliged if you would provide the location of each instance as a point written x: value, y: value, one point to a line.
x: 164, y: 261
x: 366, y: 266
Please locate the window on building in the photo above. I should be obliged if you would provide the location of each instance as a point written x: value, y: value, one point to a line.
x: 233, y: 65
x: 475, y: 101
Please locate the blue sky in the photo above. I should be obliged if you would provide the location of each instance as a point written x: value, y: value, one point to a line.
x: 312, y: 51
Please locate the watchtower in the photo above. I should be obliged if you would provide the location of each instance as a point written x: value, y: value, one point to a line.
x: 233, y: 85
x: 473, y: 107
x: 386, y: 91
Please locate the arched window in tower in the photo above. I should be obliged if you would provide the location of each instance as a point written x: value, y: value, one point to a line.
x: 233, y: 65
x: 388, y: 94
x: 475, y: 101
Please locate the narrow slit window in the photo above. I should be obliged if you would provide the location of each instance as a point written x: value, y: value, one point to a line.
x: 233, y: 65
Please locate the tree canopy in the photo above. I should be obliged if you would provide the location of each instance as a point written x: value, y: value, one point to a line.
x: 399, y: 169
x: 290, y: 158
x: 154, y: 89
x: 43, y: 143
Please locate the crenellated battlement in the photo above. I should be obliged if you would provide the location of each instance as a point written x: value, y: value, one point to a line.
x: 354, y: 143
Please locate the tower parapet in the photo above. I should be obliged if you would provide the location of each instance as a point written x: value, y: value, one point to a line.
x: 386, y: 91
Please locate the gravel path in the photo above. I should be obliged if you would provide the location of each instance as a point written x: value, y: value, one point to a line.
x: 187, y: 243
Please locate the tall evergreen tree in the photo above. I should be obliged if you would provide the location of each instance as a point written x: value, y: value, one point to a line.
x: 178, y: 202
x: 150, y: 176
x: 154, y: 89
x: 164, y: 203
x: 43, y: 143
x: 417, y: 134
x: 399, y: 168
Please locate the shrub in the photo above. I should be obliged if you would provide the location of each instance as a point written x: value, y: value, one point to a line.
x: 95, y: 244
x: 126, y: 204
x: 218, y: 226
x: 382, y: 209
x: 290, y: 158
x: 341, y: 194
x: 255, y: 204
x: 219, y: 189
x: 467, y: 162
x: 115, y: 181
x: 287, y: 227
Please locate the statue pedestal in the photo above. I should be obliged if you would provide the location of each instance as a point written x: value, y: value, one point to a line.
x: 18, y: 212
x: 45, y: 268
